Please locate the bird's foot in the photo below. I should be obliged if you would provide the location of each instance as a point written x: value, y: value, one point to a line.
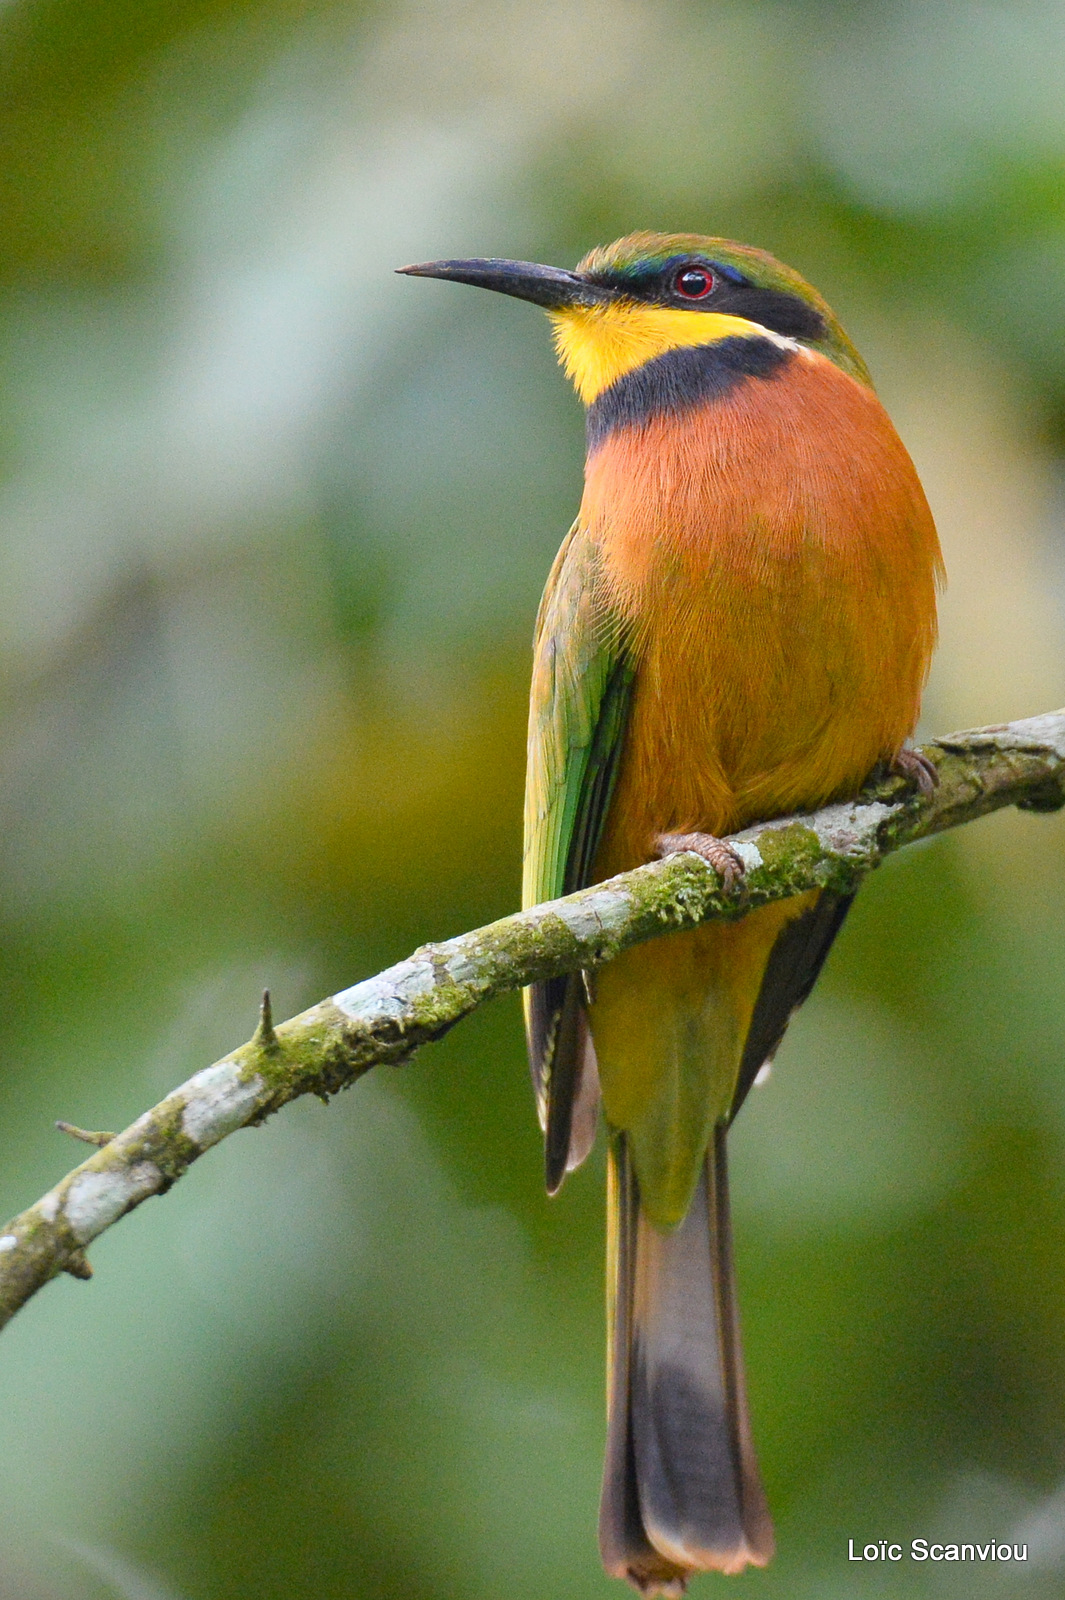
x: 917, y: 769
x: 726, y: 862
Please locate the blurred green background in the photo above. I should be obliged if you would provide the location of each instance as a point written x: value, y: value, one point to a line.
x: 273, y: 527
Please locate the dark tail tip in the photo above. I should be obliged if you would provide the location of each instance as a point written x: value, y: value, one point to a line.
x: 681, y: 1491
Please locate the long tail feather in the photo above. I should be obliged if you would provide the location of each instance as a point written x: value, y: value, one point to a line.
x: 681, y: 1491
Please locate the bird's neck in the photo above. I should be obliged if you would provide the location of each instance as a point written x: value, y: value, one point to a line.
x: 686, y: 378
x: 598, y: 345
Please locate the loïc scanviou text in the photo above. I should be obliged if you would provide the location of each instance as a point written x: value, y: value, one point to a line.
x: 928, y: 1550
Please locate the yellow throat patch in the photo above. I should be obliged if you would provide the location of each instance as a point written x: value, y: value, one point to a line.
x: 597, y: 345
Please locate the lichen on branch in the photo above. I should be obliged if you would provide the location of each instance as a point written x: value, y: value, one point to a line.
x: 388, y: 1017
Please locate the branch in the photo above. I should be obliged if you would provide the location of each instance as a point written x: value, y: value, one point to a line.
x: 388, y: 1017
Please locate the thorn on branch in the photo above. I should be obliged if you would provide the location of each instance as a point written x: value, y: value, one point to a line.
x: 264, y: 1037
x: 77, y: 1264
x: 86, y: 1137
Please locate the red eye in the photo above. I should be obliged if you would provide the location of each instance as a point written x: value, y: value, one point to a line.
x: 694, y: 283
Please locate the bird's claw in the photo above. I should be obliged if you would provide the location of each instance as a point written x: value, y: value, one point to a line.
x: 726, y: 862
x: 915, y: 766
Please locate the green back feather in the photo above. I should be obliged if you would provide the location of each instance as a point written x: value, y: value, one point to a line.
x: 578, y: 708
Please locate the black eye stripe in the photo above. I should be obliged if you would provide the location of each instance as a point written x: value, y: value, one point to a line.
x: 655, y: 283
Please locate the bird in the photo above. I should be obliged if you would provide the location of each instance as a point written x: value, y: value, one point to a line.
x: 738, y: 626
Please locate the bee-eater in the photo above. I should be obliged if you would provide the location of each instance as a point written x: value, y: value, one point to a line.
x: 737, y: 626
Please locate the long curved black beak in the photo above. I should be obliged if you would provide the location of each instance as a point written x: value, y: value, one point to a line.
x: 550, y: 287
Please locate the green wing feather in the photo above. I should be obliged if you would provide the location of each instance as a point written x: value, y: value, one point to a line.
x: 581, y: 688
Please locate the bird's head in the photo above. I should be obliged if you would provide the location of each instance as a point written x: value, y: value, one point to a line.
x: 649, y: 293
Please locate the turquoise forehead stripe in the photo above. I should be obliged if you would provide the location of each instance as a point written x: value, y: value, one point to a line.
x: 644, y: 266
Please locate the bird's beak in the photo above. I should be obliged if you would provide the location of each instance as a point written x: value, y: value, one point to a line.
x: 549, y: 287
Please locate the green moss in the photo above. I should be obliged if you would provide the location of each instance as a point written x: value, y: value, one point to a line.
x: 786, y: 849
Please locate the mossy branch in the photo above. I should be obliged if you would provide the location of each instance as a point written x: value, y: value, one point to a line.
x: 388, y: 1017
